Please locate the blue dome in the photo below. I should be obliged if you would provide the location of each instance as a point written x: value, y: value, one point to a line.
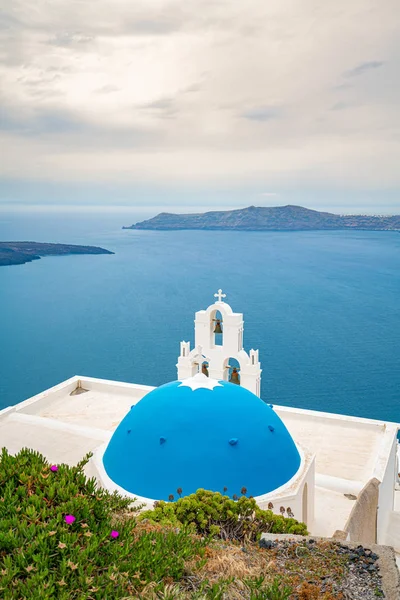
x: 176, y: 437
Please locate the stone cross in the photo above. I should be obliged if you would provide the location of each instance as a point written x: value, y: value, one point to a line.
x: 220, y: 295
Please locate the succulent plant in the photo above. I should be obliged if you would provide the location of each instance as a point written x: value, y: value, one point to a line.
x: 212, y: 513
x: 58, y: 536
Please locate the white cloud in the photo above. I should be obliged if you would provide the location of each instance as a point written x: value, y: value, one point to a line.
x: 277, y: 93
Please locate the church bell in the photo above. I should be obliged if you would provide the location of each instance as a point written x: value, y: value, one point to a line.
x: 204, y: 369
x: 235, y: 376
x: 218, y: 328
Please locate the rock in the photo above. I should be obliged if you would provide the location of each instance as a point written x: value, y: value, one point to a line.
x: 374, y: 556
x: 268, y: 544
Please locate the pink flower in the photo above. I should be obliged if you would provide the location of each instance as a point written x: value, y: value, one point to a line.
x: 114, y: 534
x: 69, y: 519
x: 54, y: 468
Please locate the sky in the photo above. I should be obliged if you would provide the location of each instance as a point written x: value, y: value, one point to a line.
x: 198, y: 104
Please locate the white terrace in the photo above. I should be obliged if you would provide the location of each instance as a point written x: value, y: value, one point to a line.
x: 349, y: 451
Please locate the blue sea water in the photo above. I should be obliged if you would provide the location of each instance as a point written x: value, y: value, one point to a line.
x: 322, y: 307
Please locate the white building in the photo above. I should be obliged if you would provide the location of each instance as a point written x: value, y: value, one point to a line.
x: 336, y: 473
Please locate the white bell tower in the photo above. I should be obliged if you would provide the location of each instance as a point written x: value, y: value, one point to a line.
x: 214, y: 357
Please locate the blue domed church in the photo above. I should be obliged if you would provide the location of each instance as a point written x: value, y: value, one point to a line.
x: 209, y: 429
x: 201, y: 433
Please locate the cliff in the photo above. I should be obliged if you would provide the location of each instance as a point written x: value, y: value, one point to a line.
x: 18, y: 253
x: 284, y: 218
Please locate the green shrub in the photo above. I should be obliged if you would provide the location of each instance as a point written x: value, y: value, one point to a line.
x: 259, y: 590
x: 59, y: 539
x: 42, y: 556
x: 224, y: 589
x: 211, y: 513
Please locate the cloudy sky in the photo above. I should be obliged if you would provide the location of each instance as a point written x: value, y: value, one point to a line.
x: 199, y: 103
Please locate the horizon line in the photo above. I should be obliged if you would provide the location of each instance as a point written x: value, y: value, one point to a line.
x: 179, y: 209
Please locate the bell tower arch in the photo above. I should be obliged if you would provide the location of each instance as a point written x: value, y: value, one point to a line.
x: 219, y: 320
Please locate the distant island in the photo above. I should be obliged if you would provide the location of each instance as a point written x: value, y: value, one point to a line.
x: 18, y: 253
x: 277, y: 218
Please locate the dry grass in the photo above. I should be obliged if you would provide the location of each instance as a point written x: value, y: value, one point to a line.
x: 312, y: 573
x: 227, y: 560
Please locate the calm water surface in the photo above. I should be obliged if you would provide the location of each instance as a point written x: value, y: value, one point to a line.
x: 322, y: 307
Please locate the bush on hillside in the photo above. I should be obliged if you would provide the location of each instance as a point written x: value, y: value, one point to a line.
x: 63, y: 537
x: 58, y: 537
x: 211, y: 513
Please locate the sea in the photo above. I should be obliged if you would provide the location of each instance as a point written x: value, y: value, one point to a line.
x: 323, y: 308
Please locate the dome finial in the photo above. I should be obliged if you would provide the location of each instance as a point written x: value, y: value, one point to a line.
x: 220, y: 295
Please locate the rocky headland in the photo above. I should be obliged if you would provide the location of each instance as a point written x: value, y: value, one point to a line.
x: 18, y: 253
x: 278, y: 218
